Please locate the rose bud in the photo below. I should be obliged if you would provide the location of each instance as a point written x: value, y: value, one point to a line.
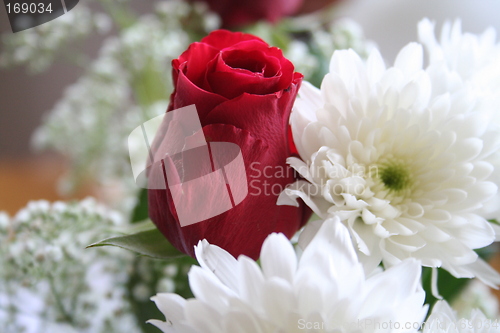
x: 243, y: 91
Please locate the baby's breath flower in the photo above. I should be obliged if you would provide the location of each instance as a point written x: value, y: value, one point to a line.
x: 128, y: 84
x: 444, y: 319
x: 48, y: 277
x: 476, y: 296
x: 340, y: 35
x: 37, y: 47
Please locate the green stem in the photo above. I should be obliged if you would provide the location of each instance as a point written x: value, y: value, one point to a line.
x: 60, y: 306
x: 120, y: 14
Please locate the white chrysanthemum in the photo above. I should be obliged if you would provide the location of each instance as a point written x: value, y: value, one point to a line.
x: 475, y: 59
x: 400, y: 162
x: 326, y: 290
x: 444, y: 320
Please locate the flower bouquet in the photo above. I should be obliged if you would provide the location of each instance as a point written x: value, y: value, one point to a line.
x: 296, y: 182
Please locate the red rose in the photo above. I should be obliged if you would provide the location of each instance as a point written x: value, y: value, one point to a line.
x: 240, y: 12
x: 236, y: 13
x: 243, y: 91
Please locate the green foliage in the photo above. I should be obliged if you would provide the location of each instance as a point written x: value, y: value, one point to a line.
x: 140, y: 212
x: 150, y: 243
x: 148, y: 272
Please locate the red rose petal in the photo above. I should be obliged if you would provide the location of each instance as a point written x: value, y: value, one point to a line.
x: 193, y: 62
x: 222, y: 77
x: 220, y: 39
x: 188, y: 93
x: 265, y: 116
x: 271, y: 53
x: 256, y: 61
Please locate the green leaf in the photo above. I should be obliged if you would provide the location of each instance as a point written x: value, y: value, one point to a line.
x: 150, y: 243
x: 140, y: 212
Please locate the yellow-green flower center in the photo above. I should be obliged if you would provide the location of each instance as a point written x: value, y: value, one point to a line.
x: 395, y: 176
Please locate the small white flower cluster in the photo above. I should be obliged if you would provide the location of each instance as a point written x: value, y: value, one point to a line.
x: 92, y: 121
x: 342, y: 34
x: 337, y: 35
x: 37, y: 47
x: 476, y: 296
x: 87, y: 124
x: 127, y: 84
x: 50, y: 283
x: 444, y: 319
x: 299, y: 53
